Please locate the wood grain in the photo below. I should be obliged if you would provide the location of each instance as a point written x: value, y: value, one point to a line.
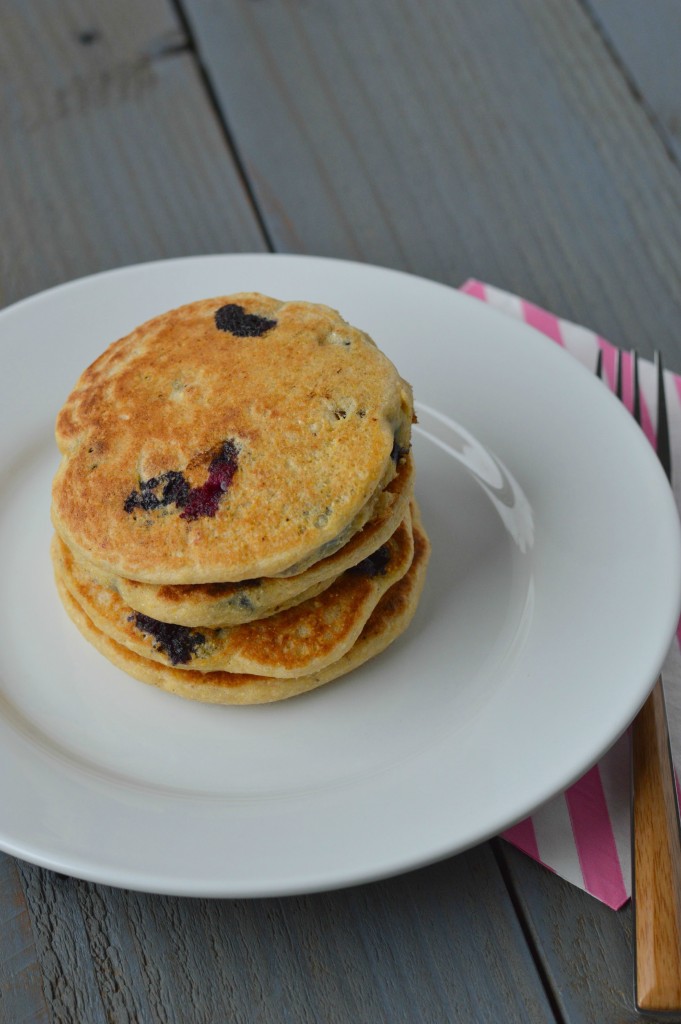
x: 438, y: 944
x: 657, y: 862
x: 62, y: 947
x: 584, y: 947
x: 498, y: 140
x: 22, y: 1000
x: 111, y: 153
x: 645, y: 38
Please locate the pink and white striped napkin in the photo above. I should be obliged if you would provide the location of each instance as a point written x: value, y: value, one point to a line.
x: 583, y: 835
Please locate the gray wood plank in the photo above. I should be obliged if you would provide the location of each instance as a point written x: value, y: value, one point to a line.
x: 441, y: 944
x: 646, y: 38
x: 62, y: 946
x: 120, y: 966
x: 111, y: 153
x: 22, y: 1000
x: 498, y: 140
x: 585, y: 946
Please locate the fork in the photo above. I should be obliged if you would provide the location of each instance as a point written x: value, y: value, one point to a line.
x: 656, y: 837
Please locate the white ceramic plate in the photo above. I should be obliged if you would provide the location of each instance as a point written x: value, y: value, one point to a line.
x: 552, y: 595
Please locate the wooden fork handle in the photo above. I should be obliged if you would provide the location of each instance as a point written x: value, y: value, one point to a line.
x: 657, y: 862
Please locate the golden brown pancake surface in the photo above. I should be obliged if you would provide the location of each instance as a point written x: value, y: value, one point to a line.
x: 232, y: 438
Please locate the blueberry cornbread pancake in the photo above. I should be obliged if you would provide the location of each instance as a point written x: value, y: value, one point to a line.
x: 234, y: 508
x: 389, y: 619
x: 227, y: 440
x: 216, y: 605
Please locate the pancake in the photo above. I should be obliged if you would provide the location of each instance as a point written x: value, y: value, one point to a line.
x: 228, y: 439
x: 389, y: 619
x: 216, y: 605
x: 291, y: 643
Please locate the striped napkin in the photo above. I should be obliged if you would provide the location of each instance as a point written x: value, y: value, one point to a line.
x: 583, y: 835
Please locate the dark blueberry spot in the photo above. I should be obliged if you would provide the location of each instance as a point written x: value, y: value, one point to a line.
x: 227, y: 456
x: 174, y: 487
x: 202, y: 501
x: 245, y: 603
x: 176, y: 490
x: 235, y: 320
x: 375, y: 564
x: 205, y: 500
x: 178, y: 643
x: 399, y: 451
x: 143, y: 499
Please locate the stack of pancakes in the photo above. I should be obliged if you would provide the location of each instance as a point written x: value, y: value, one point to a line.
x: 234, y: 510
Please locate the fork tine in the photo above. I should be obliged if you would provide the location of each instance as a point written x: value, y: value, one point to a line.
x: 599, y: 370
x: 618, y: 373
x: 663, y: 445
x: 636, y: 406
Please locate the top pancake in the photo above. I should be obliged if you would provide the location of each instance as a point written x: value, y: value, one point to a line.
x: 229, y: 439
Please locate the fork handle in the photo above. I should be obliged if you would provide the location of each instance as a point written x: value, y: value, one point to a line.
x: 657, y: 862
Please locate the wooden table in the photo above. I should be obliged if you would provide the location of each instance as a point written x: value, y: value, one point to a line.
x: 532, y: 143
